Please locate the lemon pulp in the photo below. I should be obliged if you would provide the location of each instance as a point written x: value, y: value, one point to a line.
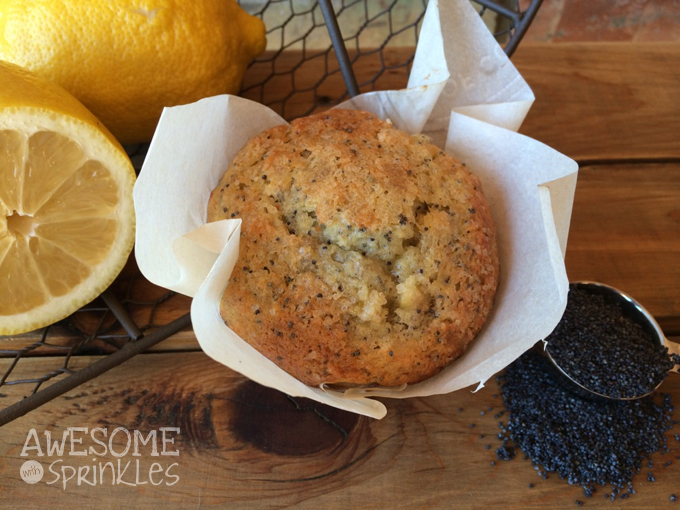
x: 57, y: 218
x: 66, y: 215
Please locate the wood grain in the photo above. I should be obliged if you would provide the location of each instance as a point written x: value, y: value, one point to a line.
x: 604, y: 101
x: 625, y: 232
x: 424, y: 454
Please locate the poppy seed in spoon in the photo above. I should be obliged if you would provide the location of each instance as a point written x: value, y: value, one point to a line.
x: 605, y: 351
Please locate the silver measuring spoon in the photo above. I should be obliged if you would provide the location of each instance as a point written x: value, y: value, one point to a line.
x: 634, y: 311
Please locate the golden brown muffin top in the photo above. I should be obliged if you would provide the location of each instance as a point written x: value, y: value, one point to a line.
x: 367, y: 256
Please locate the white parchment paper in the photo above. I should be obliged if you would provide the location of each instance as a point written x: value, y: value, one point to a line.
x: 467, y: 96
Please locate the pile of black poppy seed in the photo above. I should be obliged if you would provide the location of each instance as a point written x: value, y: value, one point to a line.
x: 605, y: 351
x: 585, y: 442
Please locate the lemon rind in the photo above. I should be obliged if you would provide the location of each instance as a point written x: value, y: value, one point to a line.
x: 97, y: 146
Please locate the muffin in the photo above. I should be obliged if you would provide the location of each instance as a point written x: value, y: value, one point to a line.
x: 367, y: 256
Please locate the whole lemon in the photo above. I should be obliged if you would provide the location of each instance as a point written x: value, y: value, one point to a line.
x: 127, y: 59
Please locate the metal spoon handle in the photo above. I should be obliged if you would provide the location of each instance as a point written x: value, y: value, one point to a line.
x: 673, y: 348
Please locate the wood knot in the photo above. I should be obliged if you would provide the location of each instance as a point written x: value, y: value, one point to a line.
x: 277, y: 423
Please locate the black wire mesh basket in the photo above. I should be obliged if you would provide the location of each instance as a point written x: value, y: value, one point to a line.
x: 315, y: 49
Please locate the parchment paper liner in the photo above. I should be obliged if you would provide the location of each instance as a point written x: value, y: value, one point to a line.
x: 467, y: 96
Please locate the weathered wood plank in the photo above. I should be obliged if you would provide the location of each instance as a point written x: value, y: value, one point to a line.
x: 625, y: 232
x: 599, y: 101
x: 246, y: 446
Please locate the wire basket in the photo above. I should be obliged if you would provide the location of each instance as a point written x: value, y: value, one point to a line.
x: 315, y: 48
x: 301, y: 66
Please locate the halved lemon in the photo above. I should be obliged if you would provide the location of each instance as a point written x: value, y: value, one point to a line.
x: 66, y: 212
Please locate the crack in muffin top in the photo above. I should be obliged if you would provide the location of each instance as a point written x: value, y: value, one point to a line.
x: 367, y: 256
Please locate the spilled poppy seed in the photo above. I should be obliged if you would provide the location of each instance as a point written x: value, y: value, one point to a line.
x: 585, y: 442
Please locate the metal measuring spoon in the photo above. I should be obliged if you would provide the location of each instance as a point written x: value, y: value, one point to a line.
x: 634, y: 311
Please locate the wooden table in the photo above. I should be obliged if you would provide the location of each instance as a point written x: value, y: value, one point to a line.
x: 615, y: 108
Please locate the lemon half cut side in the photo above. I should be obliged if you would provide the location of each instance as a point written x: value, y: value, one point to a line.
x: 66, y: 211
